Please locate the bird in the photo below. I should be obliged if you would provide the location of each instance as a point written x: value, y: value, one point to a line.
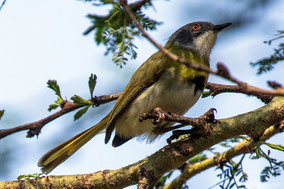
x: 158, y: 82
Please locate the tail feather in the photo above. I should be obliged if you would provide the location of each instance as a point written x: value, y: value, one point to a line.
x: 60, y: 153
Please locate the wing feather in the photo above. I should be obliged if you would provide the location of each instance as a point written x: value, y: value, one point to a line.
x: 136, y: 85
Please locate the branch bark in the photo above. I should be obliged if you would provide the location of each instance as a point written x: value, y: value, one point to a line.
x: 170, y: 157
x: 215, y: 89
x: 245, y: 146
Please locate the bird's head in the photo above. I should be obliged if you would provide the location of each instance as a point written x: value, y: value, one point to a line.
x: 199, y: 37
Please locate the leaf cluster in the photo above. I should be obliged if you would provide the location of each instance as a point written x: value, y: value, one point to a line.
x: 52, y: 84
x: 275, y: 167
x: 230, y: 172
x: 267, y: 64
x: 162, y: 181
x: 116, y: 31
x: 86, y: 104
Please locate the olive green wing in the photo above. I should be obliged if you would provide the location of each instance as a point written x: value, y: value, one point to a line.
x: 148, y: 73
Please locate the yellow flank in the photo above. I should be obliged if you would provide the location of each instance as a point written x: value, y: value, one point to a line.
x: 184, y: 72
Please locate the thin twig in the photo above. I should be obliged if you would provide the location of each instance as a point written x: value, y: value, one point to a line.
x: 2, y: 5
x: 138, y: 4
x: 215, y: 89
x: 35, y: 127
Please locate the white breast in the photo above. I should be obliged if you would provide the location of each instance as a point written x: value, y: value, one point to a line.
x: 176, y: 97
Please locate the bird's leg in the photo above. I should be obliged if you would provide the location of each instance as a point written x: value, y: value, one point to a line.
x: 205, y: 125
x: 200, y: 124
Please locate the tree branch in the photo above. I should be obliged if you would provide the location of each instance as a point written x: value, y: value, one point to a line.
x: 138, y: 4
x: 215, y: 89
x: 245, y: 146
x: 170, y: 157
x: 34, y: 128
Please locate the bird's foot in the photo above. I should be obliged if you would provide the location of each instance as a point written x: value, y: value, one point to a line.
x: 201, y: 126
x: 209, y: 116
x: 157, y: 115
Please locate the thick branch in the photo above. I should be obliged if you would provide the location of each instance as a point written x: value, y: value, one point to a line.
x: 170, y: 157
x: 35, y: 127
x: 243, y: 147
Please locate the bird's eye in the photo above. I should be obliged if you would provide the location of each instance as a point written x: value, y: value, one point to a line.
x: 196, y: 27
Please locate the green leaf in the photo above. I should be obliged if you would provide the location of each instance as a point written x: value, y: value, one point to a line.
x: 92, y: 84
x: 52, y: 107
x: 81, y: 112
x: 198, y: 158
x: 161, y: 182
x: 205, y: 94
x: 1, y: 113
x: 80, y: 101
x: 52, y: 84
x: 59, y: 100
x: 275, y: 146
x: 20, y: 177
x: 30, y: 176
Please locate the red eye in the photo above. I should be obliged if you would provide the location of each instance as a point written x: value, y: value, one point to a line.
x: 196, y: 27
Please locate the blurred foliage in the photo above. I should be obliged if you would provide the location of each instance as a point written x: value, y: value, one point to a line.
x: 9, y: 146
x: 30, y: 176
x: 228, y: 143
x: 275, y: 167
x: 162, y: 181
x: 5, y: 157
x: 198, y: 158
x: 116, y: 31
x: 1, y: 113
x: 239, y: 12
x: 267, y: 64
x: 230, y: 172
x: 4, y: 153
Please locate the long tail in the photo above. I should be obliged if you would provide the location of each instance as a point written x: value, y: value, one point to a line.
x: 60, y: 153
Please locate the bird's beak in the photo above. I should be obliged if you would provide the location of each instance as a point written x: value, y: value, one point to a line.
x: 220, y: 27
